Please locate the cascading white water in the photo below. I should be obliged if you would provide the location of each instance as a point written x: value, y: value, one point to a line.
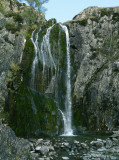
x: 35, y: 61
x: 67, y: 115
x: 43, y: 53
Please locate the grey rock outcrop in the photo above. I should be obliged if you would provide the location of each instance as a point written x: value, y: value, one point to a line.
x: 12, y: 147
x: 13, y: 33
x: 14, y: 26
x: 11, y: 48
x: 94, y: 40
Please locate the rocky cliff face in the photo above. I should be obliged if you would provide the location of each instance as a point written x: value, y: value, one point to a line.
x: 94, y: 40
x: 15, y: 24
x: 11, y: 48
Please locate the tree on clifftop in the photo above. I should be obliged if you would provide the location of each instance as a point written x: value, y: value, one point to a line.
x: 37, y: 4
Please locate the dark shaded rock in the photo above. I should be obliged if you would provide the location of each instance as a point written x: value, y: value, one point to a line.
x: 12, y: 146
x: 97, y: 144
x: 95, y: 71
x: 37, y: 119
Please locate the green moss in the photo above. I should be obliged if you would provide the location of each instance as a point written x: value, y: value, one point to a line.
x: 27, y: 59
x: 54, y: 38
x: 31, y: 113
x: 80, y: 118
x: 50, y: 22
x: 106, y: 12
x: 63, y: 50
x: 34, y: 113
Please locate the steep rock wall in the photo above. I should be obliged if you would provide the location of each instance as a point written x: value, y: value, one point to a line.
x: 11, y: 48
x: 94, y: 40
x: 15, y: 24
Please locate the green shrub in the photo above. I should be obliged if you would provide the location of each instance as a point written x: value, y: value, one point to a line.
x: 105, y: 12
x: 12, y: 74
x: 83, y: 22
x: 2, y: 10
x: 92, y: 49
x: 14, y: 67
x: 30, y: 17
x: 115, y: 17
x: 12, y: 27
x: 17, y: 17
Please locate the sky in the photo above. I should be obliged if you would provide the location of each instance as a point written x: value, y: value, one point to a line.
x: 64, y: 10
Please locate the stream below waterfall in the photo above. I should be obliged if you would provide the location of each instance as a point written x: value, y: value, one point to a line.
x: 74, y: 147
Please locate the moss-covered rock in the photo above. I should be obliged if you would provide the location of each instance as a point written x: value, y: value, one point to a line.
x: 32, y: 114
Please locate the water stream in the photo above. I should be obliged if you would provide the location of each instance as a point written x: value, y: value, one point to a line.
x: 68, y: 131
x: 35, y: 61
x: 44, y: 55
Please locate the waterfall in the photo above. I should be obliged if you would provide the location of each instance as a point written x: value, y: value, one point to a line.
x: 35, y: 61
x: 67, y: 115
x: 44, y: 55
x: 45, y: 51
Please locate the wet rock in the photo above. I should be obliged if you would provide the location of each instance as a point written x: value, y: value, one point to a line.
x: 76, y: 142
x: 47, y: 158
x: 65, y: 158
x: 39, y: 141
x: 34, y: 156
x: 97, y: 144
x: 12, y: 146
x: 109, y: 143
x: 41, y: 159
x: 84, y: 146
x: 115, y: 135
x: 44, y: 150
x: 37, y: 149
x: 66, y: 144
x: 31, y: 146
x: 115, y: 140
x: 51, y: 148
x: 102, y: 149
